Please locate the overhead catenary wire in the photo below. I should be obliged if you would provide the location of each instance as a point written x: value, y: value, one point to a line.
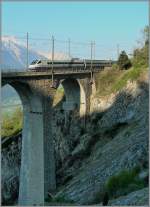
x: 65, y: 41
x: 67, y: 49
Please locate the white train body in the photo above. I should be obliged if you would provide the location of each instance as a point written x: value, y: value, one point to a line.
x: 41, y: 65
x: 57, y: 63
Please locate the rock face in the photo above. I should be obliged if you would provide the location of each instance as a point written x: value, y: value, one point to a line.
x: 88, y: 150
x: 115, y: 139
x: 139, y: 198
x: 10, y: 160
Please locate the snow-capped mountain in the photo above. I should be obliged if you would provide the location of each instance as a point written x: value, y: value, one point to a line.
x: 57, y: 56
x: 14, y: 54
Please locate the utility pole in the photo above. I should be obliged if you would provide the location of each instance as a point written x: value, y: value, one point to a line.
x: 94, y: 47
x: 91, y: 53
x: 27, y: 49
x: 69, y: 53
x: 91, y: 62
x: 118, y: 50
x: 52, y: 56
x: 52, y: 49
x: 9, y: 44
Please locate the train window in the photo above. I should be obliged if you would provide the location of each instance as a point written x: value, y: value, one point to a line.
x: 39, y: 62
x: 58, y: 62
x: 33, y: 62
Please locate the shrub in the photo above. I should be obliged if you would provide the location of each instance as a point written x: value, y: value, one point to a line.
x: 123, y: 61
x: 123, y: 183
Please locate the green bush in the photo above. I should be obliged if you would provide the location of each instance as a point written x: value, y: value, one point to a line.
x: 123, y: 61
x: 123, y: 183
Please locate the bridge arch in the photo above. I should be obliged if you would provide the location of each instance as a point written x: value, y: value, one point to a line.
x: 75, y: 95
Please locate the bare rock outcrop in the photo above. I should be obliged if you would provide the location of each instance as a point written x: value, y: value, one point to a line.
x: 137, y: 198
x: 11, y: 161
x: 124, y: 125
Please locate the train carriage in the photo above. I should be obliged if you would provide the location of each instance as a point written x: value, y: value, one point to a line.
x: 73, y: 64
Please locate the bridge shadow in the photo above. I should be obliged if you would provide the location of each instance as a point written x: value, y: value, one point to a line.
x: 75, y: 136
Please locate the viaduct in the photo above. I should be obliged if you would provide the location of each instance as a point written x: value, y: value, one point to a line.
x: 37, y: 175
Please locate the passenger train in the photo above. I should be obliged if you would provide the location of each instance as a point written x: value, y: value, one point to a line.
x: 41, y: 65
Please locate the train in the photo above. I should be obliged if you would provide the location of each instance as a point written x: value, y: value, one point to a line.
x: 74, y: 63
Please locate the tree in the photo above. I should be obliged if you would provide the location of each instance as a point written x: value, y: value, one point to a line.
x: 123, y: 61
x: 146, y: 35
x: 140, y: 55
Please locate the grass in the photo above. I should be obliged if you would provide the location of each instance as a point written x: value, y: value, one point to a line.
x: 132, y: 74
x: 58, y: 96
x: 11, y: 124
x: 106, y: 79
x: 113, y: 80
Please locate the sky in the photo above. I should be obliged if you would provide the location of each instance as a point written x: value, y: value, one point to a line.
x: 107, y: 23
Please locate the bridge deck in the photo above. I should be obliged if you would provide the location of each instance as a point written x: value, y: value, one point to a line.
x: 26, y: 74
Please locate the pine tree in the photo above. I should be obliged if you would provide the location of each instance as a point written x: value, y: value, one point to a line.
x: 123, y: 61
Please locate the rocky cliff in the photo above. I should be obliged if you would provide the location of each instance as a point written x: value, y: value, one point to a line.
x: 10, y: 161
x: 114, y: 138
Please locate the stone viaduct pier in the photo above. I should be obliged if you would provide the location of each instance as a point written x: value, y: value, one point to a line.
x: 37, y: 175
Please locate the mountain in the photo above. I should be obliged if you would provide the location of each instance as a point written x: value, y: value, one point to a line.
x: 14, y: 54
x: 14, y: 57
x: 57, y: 56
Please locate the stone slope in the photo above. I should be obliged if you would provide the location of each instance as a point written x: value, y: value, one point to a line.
x: 10, y: 161
x: 125, y: 125
x: 139, y: 198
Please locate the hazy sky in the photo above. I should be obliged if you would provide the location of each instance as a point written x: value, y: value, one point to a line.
x: 107, y: 23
